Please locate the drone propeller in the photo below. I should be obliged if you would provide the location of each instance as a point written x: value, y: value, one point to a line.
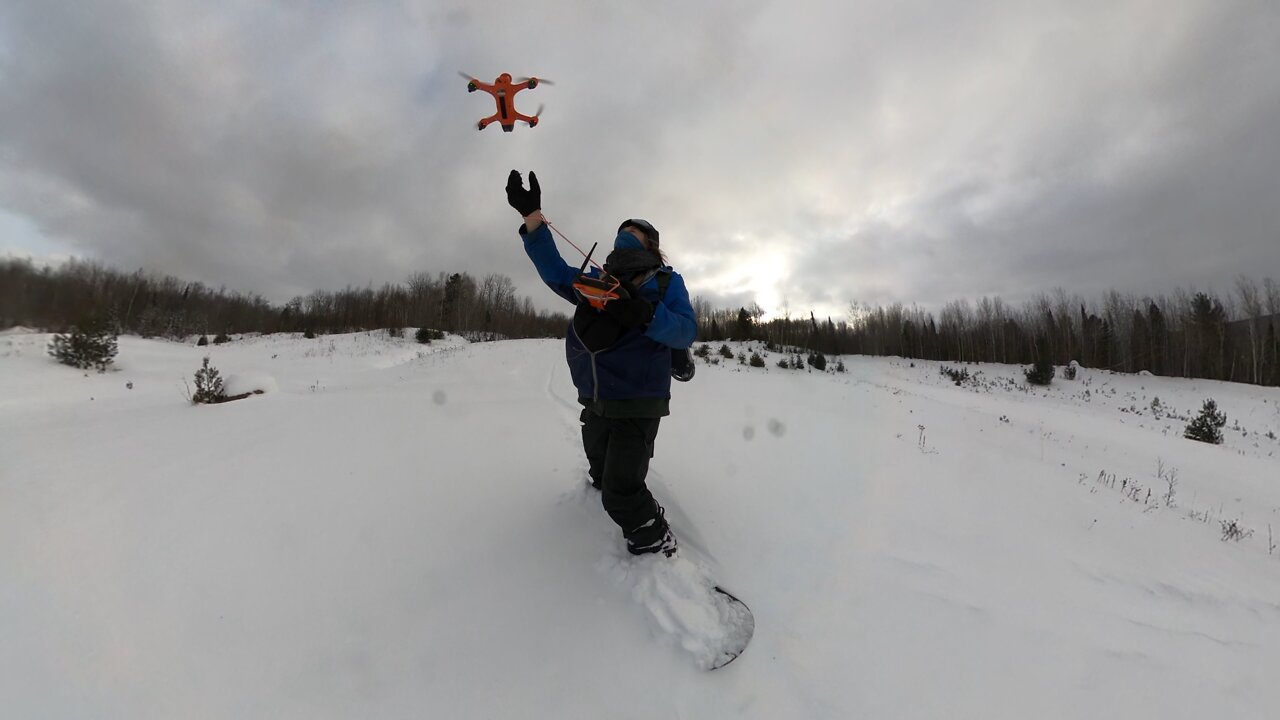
x: 540, y: 81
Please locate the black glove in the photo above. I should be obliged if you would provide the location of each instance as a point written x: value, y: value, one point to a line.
x: 526, y: 202
x: 631, y: 310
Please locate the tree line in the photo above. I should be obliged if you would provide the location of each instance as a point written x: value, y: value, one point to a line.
x: 150, y: 305
x: 1185, y: 334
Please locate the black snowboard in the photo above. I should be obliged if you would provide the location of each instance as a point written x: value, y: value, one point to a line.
x: 743, y: 625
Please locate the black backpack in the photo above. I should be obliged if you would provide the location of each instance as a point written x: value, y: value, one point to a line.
x: 682, y: 365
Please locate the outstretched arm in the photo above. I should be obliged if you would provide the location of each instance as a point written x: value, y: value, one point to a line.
x: 541, y: 249
x: 538, y: 243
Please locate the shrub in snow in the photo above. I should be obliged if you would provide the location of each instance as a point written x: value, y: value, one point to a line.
x: 703, y: 351
x: 798, y: 363
x: 1069, y: 372
x: 426, y: 335
x: 1207, y: 427
x: 91, y: 343
x: 395, y: 332
x: 1231, y: 530
x: 208, y: 385
x: 203, y: 341
x: 959, y: 376
x: 818, y: 362
x: 840, y: 366
x: 1041, y: 373
x: 222, y: 338
x: 1157, y: 408
x: 725, y: 352
x: 309, y: 334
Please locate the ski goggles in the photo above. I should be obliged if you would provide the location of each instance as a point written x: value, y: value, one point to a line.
x: 643, y: 226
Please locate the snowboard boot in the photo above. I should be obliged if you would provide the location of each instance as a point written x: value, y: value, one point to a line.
x: 652, y: 537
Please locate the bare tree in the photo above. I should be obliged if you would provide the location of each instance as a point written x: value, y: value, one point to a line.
x: 1251, y: 304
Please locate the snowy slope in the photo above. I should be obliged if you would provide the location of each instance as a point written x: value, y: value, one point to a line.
x: 396, y: 530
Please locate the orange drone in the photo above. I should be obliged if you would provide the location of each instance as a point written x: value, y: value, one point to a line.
x: 504, y: 92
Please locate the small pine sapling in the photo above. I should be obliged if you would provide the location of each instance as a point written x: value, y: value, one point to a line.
x: 91, y: 343
x: 1041, y: 373
x: 208, y: 385
x: 1207, y: 426
x: 426, y: 335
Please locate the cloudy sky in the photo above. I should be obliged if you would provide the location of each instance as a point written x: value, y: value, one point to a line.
x: 798, y: 153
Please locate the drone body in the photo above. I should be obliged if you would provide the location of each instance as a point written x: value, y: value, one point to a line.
x: 504, y: 92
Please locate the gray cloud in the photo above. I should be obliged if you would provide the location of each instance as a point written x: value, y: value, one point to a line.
x: 806, y: 152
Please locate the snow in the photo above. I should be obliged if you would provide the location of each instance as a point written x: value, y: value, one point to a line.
x: 249, y: 382
x: 399, y: 530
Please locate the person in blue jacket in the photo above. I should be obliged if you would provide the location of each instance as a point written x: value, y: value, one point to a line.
x: 620, y: 360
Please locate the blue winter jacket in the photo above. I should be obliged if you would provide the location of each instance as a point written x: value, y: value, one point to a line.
x: 638, y: 364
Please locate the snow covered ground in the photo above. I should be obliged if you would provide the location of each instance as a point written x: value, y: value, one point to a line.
x: 396, y: 530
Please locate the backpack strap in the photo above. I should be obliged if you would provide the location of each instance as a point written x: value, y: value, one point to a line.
x: 664, y: 279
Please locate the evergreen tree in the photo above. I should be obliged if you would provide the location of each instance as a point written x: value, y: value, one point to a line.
x: 1159, y: 338
x: 1207, y: 427
x: 449, y: 305
x: 208, y: 385
x: 1041, y: 373
x: 91, y: 343
x: 743, y: 330
x: 1141, y: 346
x: 1271, y: 354
x: 1209, y: 321
x: 426, y: 335
x: 1105, y: 340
